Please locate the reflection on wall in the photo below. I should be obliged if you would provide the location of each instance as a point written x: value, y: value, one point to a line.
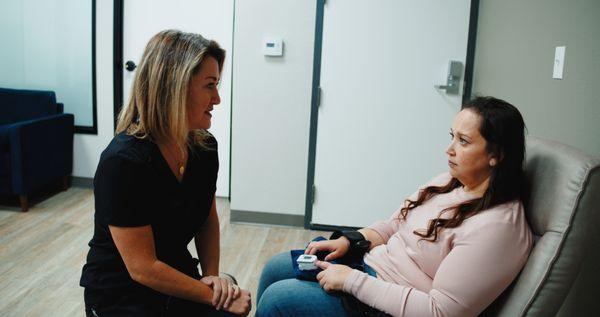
x: 47, y: 45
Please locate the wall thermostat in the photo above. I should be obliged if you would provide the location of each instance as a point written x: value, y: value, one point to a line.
x: 273, y: 47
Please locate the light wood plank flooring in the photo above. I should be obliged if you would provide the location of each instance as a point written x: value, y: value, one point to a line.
x: 42, y: 252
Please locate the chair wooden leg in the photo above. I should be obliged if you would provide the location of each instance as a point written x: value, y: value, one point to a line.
x: 24, y: 203
x: 65, y: 182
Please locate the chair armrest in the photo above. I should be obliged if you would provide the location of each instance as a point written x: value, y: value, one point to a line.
x: 41, y: 150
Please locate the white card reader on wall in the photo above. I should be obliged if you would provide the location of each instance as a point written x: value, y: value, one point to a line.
x: 273, y: 46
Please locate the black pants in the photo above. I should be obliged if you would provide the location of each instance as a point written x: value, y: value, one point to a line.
x: 139, y: 301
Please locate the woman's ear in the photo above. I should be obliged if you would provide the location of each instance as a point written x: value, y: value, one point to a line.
x: 495, y: 159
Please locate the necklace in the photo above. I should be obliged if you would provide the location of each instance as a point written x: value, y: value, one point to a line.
x: 180, y: 163
x: 181, y: 168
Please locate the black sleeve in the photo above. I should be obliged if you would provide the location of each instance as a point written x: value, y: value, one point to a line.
x: 121, y: 193
x: 215, y: 154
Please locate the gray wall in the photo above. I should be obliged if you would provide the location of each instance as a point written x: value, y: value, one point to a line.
x: 271, y: 106
x: 514, y: 59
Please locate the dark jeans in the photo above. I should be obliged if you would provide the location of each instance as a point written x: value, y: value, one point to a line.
x: 143, y: 302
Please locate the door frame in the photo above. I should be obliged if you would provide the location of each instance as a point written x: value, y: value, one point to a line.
x: 93, y: 129
x: 117, y: 58
x: 314, y: 112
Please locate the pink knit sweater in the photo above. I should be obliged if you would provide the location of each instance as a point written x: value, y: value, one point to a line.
x: 458, y: 275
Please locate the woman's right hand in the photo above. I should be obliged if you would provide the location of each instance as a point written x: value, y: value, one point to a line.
x: 337, y: 247
x: 241, y: 305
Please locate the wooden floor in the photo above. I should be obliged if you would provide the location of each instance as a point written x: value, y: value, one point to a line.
x: 42, y: 252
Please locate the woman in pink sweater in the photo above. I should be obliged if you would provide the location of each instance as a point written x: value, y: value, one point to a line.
x: 450, y: 250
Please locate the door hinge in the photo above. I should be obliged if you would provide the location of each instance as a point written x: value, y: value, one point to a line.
x: 319, y: 92
x: 313, y: 194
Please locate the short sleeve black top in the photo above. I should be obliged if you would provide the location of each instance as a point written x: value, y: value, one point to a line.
x: 134, y: 186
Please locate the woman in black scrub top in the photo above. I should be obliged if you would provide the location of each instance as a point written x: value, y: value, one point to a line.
x: 154, y: 192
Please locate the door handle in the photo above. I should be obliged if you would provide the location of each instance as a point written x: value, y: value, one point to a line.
x: 130, y: 66
x: 453, y: 78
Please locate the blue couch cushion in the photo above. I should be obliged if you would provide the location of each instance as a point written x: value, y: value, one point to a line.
x: 20, y: 105
x: 3, y: 139
x: 5, y: 181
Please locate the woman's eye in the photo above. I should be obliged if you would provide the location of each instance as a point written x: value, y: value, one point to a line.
x: 463, y: 141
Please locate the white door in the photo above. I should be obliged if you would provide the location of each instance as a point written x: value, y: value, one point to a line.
x: 382, y: 126
x: 213, y: 20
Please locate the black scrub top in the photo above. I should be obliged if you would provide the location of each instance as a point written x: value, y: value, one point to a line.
x: 133, y: 187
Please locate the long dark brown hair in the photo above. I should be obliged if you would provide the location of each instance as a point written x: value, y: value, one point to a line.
x: 503, y: 129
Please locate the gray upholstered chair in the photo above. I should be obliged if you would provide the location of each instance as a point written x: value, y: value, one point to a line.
x: 561, y: 276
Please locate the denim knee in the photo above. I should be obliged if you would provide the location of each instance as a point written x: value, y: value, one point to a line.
x: 279, y: 267
x: 278, y: 299
x: 293, y: 297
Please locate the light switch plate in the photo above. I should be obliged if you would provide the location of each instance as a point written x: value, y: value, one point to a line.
x: 559, y: 62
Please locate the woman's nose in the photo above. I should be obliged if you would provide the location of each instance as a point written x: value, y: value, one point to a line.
x: 450, y: 149
x: 216, y: 98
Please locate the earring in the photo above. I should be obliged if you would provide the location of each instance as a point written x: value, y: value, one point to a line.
x: 493, y: 162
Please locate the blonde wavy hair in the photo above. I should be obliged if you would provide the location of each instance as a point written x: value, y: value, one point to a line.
x: 157, y: 106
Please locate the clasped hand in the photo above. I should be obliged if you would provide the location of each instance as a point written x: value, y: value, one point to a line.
x: 227, y: 295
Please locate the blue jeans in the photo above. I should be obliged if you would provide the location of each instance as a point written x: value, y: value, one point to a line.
x: 281, y: 294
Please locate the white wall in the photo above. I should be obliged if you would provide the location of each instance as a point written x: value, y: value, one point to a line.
x: 87, y: 148
x: 271, y: 106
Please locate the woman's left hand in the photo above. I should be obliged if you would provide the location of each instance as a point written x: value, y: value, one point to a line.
x: 224, y: 291
x: 333, y: 276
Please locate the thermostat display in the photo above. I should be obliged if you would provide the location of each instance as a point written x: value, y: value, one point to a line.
x: 273, y: 47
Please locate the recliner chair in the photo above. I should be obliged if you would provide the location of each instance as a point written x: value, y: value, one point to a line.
x: 36, y: 142
x: 561, y: 276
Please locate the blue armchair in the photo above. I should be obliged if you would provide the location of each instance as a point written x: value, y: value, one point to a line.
x: 36, y: 142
